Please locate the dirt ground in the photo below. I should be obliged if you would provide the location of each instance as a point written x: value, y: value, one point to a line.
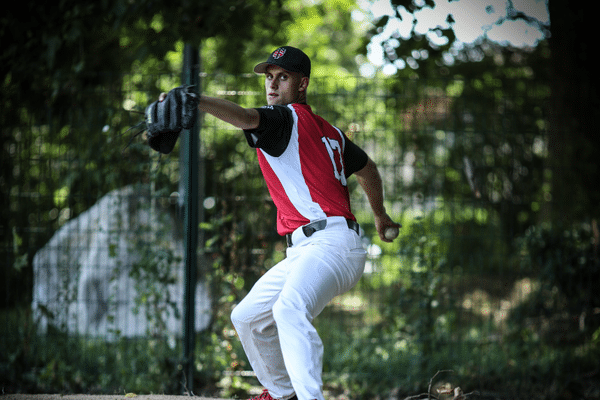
x: 98, y: 397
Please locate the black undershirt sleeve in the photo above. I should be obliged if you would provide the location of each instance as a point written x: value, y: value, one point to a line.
x: 274, y: 130
x: 355, y: 158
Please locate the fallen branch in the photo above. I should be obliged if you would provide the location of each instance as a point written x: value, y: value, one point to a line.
x: 431, y: 381
x: 456, y: 392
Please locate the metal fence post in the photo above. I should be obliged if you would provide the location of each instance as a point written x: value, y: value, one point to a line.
x: 190, y: 149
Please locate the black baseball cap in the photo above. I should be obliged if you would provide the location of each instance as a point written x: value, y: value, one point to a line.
x: 288, y: 58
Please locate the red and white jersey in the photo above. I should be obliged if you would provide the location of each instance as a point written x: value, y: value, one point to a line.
x: 305, y: 162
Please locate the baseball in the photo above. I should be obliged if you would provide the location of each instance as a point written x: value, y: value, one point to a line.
x: 391, y: 233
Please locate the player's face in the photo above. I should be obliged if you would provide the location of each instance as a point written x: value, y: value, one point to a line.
x: 283, y: 87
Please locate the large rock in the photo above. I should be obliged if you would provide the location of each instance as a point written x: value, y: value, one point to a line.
x: 116, y: 270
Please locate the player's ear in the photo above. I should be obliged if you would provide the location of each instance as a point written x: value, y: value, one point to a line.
x: 304, y: 81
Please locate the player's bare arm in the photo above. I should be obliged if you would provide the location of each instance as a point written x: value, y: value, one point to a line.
x: 232, y: 113
x: 228, y: 111
x: 370, y: 180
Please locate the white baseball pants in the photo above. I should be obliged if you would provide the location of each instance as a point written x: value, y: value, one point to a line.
x: 274, y: 321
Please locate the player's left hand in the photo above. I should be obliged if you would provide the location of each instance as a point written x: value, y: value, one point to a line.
x: 166, y: 117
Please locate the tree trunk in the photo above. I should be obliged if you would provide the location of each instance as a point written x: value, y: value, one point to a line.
x: 573, y: 142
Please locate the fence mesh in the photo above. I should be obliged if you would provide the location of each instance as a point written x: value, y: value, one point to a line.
x: 92, y: 238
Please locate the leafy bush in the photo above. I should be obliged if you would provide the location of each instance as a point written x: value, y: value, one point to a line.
x: 566, y: 261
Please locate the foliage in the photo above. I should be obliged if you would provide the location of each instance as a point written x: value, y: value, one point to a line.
x: 73, y: 42
x: 431, y: 50
x: 463, y: 153
x: 565, y: 261
x: 74, y: 102
x: 477, y: 137
x: 567, y: 47
x: 422, y: 326
x: 417, y: 321
x: 153, y: 273
x: 58, y: 362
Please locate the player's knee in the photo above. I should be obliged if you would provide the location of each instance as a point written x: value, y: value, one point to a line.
x: 238, y: 315
x: 279, y: 310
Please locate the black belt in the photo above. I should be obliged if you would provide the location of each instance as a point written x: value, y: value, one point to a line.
x: 319, y: 225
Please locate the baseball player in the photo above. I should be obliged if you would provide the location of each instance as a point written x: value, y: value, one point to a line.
x: 306, y: 163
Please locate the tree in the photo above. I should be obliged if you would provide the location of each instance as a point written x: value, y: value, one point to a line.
x: 70, y: 68
x: 572, y: 140
x: 62, y: 67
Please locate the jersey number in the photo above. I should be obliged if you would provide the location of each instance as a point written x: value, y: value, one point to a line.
x: 335, y: 154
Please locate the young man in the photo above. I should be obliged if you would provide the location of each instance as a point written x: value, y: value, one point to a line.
x: 306, y: 163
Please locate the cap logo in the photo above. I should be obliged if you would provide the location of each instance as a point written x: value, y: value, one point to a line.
x: 278, y: 53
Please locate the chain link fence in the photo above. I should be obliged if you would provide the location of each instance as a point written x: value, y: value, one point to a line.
x: 92, y: 242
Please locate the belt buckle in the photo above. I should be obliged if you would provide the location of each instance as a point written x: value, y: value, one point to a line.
x: 311, y: 228
x: 353, y: 225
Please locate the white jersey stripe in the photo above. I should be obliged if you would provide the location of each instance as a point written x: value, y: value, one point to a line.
x: 289, y: 172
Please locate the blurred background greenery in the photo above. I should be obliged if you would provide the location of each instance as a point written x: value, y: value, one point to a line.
x: 479, y: 115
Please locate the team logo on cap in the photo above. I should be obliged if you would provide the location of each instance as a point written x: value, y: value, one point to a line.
x: 278, y: 53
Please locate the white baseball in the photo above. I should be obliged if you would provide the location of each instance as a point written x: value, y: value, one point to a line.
x: 391, y: 233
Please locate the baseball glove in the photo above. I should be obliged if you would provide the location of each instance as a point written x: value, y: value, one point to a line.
x: 165, y: 119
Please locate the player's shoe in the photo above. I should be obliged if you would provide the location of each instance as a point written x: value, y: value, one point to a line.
x: 266, y: 396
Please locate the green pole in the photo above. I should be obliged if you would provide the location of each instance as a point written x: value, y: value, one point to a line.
x: 190, y: 149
